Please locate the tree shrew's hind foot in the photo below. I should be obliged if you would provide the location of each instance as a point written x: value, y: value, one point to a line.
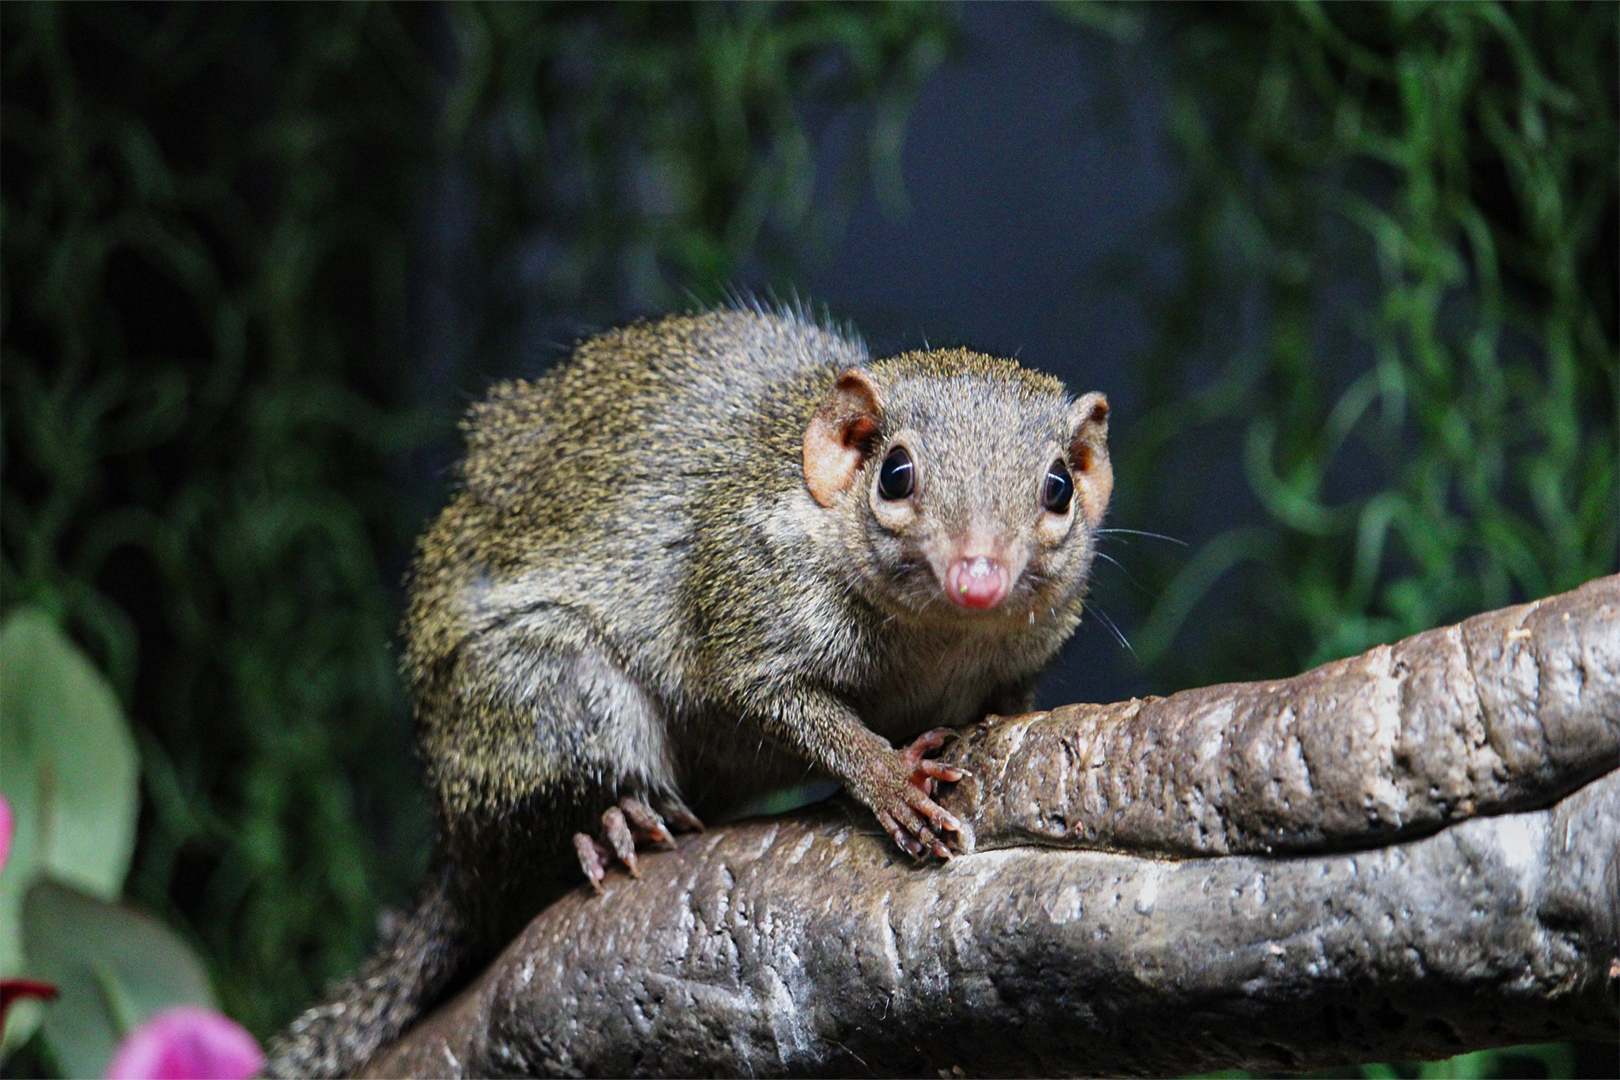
x: 632, y: 823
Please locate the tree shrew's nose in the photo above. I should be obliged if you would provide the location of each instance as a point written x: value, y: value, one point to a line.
x: 976, y: 581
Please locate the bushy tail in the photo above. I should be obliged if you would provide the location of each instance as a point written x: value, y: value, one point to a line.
x: 410, y: 972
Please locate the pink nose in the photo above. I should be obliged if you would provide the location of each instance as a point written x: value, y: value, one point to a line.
x: 977, y: 582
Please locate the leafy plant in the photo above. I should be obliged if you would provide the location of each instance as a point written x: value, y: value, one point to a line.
x: 115, y: 967
x: 68, y: 770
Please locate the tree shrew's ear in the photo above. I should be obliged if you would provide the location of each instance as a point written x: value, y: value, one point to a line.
x: 1088, y: 455
x: 840, y: 435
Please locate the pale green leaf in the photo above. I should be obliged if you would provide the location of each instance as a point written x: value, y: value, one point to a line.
x: 114, y: 966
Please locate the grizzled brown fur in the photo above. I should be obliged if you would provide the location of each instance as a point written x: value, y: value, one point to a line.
x: 668, y: 574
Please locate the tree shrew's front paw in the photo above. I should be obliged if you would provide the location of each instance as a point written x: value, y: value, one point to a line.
x: 633, y: 823
x: 900, y: 792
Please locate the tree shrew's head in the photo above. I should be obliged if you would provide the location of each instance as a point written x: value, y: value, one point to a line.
x: 967, y: 486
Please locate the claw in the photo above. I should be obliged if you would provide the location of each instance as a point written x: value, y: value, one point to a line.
x: 945, y: 819
x: 617, y: 830
x: 938, y: 770
x: 904, y: 839
x: 636, y: 822
x: 645, y: 823
x: 593, y: 859
x: 676, y: 813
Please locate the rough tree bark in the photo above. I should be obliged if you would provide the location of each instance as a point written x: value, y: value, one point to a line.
x: 1404, y: 854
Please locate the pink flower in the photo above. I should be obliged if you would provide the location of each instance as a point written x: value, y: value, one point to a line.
x: 6, y: 827
x: 187, y: 1043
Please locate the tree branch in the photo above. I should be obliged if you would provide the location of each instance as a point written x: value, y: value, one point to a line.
x: 1405, y: 854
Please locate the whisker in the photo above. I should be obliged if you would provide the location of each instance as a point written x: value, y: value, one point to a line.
x: 1139, y: 532
x: 1128, y: 575
x: 1103, y: 615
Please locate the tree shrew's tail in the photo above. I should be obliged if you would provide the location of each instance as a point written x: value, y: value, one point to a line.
x: 410, y: 972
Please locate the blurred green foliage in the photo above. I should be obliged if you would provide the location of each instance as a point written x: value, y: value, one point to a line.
x: 626, y: 156
x: 213, y: 386
x: 1396, y: 307
x: 1421, y: 441
x: 204, y: 268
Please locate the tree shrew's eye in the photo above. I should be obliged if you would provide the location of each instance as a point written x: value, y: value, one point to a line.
x: 1058, y: 489
x: 897, y: 477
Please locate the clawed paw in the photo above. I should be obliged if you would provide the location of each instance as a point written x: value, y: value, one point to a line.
x: 903, y: 801
x: 632, y: 824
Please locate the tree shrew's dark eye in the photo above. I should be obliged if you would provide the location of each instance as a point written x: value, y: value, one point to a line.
x: 1058, y: 489
x: 896, y: 478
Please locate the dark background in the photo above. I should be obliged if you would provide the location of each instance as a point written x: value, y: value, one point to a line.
x: 1348, y: 275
